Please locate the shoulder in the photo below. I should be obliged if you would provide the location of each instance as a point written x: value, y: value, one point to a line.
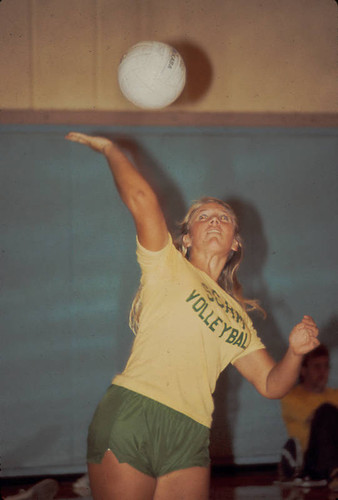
x: 331, y: 390
x: 144, y: 253
x: 167, y: 257
x: 332, y: 395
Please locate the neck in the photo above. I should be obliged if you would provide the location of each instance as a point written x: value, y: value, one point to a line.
x: 212, y: 265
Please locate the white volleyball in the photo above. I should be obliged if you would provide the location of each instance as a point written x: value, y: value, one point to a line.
x: 151, y: 75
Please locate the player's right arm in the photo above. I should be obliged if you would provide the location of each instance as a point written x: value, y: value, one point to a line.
x: 134, y: 190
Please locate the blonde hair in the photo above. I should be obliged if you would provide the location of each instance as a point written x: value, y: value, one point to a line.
x: 228, y: 279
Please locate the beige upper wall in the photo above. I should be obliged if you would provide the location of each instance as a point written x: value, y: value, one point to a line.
x: 242, y: 55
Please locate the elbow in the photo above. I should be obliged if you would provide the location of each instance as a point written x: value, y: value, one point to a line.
x: 270, y: 394
x: 274, y: 393
x: 141, y: 201
x: 275, y: 396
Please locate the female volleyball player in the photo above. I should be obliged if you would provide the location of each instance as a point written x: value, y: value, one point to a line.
x: 149, y: 436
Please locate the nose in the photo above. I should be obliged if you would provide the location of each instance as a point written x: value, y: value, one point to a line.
x: 214, y: 219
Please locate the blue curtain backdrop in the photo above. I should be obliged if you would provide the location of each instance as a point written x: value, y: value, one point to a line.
x: 68, y: 272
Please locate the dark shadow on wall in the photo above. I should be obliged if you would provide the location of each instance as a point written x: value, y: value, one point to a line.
x: 169, y: 194
x: 254, y: 287
x: 199, y: 72
x: 328, y: 333
x: 252, y: 278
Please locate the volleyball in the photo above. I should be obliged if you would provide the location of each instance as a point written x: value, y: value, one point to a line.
x: 151, y: 75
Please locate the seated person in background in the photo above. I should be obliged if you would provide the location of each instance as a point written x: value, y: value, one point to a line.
x: 310, y: 414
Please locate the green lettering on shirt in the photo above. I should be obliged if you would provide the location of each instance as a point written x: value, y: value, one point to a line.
x: 192, y: 296
x: 239, y: 339
x: 215, y: 323
x: 225, y: 329
x: 209, y: 292
x: 218, y: 299
x: 206, y: 319
x: 204, y: 308
x: 243, y: 346
x: 199, y: 301
x: 232, y: 337
x: 229, y: 308
x: 207, y: 315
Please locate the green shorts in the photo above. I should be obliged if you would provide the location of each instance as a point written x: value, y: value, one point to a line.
x: 148, y: 435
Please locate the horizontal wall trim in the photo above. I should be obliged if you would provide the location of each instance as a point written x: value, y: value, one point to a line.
x: 167, y: 118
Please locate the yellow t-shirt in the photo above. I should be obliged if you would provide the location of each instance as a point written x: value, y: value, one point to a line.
x: 298, y: 407
x: 190, y: 329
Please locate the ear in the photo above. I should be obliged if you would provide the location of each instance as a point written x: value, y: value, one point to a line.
x: 234, y: 245
x: 187, y: 240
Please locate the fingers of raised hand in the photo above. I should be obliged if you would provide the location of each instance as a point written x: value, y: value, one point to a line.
x: 77, y: 137
x: 309, y: 324
x: 303, y: 337
x: 96, y: 143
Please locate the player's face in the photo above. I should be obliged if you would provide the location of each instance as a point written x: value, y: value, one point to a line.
x: 212, y: 228
x: 316, y: 373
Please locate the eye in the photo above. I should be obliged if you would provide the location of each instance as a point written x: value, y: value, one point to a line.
x: 202, y: 216
x: 225, y: 218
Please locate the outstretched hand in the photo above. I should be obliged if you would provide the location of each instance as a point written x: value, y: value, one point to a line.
x: 303, y: 336
x: 96, y: 143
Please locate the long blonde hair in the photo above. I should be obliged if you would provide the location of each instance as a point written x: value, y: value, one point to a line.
x: 228, y: 279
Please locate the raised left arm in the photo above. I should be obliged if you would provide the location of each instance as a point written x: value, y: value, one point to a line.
x: 274, y: 380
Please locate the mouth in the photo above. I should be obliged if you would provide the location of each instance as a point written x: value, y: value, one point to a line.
x: 214, y: 231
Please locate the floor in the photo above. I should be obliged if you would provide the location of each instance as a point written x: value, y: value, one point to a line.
x: 226, y: 484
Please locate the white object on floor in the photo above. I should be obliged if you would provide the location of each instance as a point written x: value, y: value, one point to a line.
x: 43, y: 490
x: 81, y: 487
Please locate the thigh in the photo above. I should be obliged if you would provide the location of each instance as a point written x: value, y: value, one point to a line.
x: 184, y: 484
x: 112, y: 480
x: 119, y: 425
